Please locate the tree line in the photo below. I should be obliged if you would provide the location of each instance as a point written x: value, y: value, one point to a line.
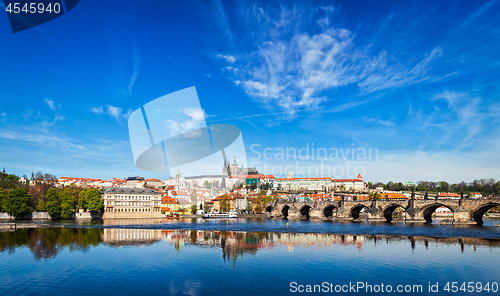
x: 60, y: 203
x: 484, y: 186
x: 20, y: 199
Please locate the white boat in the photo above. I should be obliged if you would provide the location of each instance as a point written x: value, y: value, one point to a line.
x: 219, y: 215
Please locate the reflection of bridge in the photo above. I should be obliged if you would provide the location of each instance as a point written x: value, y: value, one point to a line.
x: 465, y: 211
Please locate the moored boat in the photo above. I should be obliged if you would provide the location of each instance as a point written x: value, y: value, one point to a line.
x: 219, y: 215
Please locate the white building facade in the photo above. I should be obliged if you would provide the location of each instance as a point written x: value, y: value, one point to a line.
x: 132, y: 203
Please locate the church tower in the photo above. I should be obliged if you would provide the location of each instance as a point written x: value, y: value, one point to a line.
x: 226, y: 170
x: 234, y: 168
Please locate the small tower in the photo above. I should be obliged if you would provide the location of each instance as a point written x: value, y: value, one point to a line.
x: 234, y: 168
x: 32, y: 179
x: 4, y: 170
x: 290, y: 174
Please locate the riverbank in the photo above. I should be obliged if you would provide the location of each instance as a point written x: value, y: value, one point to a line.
x: 15, y: 226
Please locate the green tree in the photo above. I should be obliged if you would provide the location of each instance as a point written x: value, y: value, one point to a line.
x: 53, y: 205
x: 206, y: 184
x: 3, y: 200
x: 194, y: 197
x: 444, y: 186
x: 17, y: 202
x: 207, y: 207
x: 67, y: 203
x: 194, y: 208
x: 261, y: 200
x: 374, y: 196
x: 41, y: 206
x: 94, y: 200
x: 82, y: 198
x: 224, y: 203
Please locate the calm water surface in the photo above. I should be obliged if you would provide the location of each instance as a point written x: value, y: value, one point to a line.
x: 109, y: 260
x: 487, y: 230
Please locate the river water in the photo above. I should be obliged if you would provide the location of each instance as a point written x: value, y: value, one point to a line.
x: 248, y: 257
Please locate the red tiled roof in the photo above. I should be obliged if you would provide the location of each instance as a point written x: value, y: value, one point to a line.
x: 168, y: 200
x: 447, y: 194
x: 290, y: 179
x: 347, y: 180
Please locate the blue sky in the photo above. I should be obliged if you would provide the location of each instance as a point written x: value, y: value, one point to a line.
x: 418, y: 81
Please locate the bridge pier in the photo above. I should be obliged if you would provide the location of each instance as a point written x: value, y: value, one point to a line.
x: 344, y: 213
x: 375, y: 213
x: 276, y: 213
x: 294, y: 213
x: 316, y: 213
x: 462, y: 216
x: 413, y: 213
x: 376, y: 216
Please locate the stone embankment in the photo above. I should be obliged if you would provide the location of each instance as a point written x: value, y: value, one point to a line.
x: 261, y: 216
x: 15, y: 226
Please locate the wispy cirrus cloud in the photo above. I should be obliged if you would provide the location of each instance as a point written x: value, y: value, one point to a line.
x: 51, y: 104
x: 114, y: 112
x: 97, y: 110
x: 387, y: 123
x: 289, y: 68
x: 228, y: 58
x: 135, y: 71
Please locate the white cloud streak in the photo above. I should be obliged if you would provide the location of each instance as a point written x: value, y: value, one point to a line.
x: 290, y: 69
x: 135, y: 71
x: 51, y: 104
x: 116, y: 113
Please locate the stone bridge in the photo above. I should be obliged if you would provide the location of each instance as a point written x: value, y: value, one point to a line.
x: 465, y: 211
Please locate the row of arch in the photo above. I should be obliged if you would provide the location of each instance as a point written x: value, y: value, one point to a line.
x: 328, y: 211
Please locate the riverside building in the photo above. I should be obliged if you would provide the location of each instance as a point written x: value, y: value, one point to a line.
x: 319, y: 184
x: 132, y: 203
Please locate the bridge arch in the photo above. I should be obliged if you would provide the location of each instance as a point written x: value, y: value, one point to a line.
x: 478, y: 213
x: 284, y: 211
x: 304, y: 211
x: 356, y: 209
x: 428, y: 210
x: 389, y: 210
x: 328, y: 210
x: 269, y: 208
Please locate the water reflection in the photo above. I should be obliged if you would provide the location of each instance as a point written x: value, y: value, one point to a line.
x: 46, y: 243
x: 124, y: 236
